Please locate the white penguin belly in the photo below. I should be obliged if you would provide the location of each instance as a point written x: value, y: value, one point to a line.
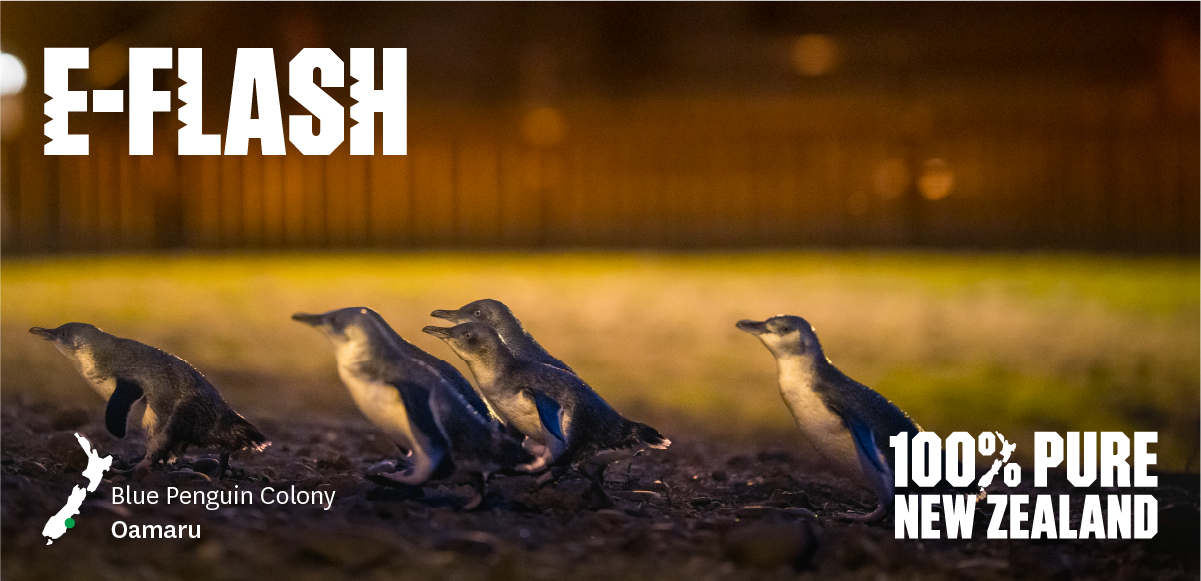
x: 86, y: 363
x: 149, y: 420
x: 381, y: 403
x: 819, y: 426
x: 520, y: 411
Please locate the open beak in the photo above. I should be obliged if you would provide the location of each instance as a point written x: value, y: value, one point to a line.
x: 439, y: 332
x: 47, y: 334
x: 311, y: 320
x: 452, y: 316
x: 753, y: 327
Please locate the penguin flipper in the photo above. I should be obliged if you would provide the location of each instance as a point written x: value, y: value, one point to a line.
x: 416, y: 400
x: 549, y: 412
x: 126, y: 393
x: 875, y: 467
x: 865, y: 443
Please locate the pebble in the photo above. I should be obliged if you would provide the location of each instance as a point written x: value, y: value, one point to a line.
x: 771, y: 545
x: 857, y: 548
x: 474, y: 544
x: 762, y: 512
x: 206, y: 465
x: 608, y: 518
x: 64, y: 448
x: 348, y: 550
x: 69, y: 419
x: 184, y: 477
x: 573, y: 495
x: 798, y: 499
x: 34, y: 469
x: 717, y: 524
x: 801, y: 512
x: 155, y: 479
x: 645, y: 496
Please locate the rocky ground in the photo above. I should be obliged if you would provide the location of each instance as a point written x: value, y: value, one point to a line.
x: 707, y: 508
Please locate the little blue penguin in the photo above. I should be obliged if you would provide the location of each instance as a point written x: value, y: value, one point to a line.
x: 495, y: 314
x: 424, y: 404
x: 551, y: 406
x: 847, y: 422
x: 182, y: 408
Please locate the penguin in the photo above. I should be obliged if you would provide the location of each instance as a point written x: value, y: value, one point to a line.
x: 182, y: 408
x: 495, y: 314
x: 848, y: 423
x: 424, y: 404
x: 549, y: 405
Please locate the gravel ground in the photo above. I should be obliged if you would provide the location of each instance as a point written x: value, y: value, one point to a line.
x: 706, y: 508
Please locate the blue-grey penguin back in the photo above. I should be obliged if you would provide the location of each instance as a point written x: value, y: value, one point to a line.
x: 594, y: 425
x: 239, y: 433
x: 610, y: 431
x: 848, y: 397
x: 204, y: 425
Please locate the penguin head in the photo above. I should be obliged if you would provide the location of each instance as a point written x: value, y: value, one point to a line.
x: 490, y: 312
x: 471, y: 341
x: 341, y: 325
x: 785, y: 336
x: 71, y: 337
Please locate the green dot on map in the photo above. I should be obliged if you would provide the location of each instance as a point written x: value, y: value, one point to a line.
x: 70, y: 523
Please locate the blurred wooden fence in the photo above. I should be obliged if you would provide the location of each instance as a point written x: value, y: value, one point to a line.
x: 669, y: 173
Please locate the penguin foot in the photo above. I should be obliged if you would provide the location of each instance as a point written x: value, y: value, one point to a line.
x: 542, y: 456
x: 476, y: 502
x: 382, y: 467
x: 479, y: 483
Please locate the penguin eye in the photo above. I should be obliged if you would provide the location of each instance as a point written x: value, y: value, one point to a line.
x: 468, y: 336
x: 785, y: 330
x: 477, y: 313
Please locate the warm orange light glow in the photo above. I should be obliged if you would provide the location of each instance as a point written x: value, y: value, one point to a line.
x: 108, y: 64
x: 544, y: 127
x: 892, y: 178
x: 937, y: 180
x: 12, y: 115
x: 814, y: 54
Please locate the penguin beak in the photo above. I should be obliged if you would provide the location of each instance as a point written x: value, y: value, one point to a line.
x: 439, y: 332
x: 311, y: 320
x: 452, y: 316
x: 753, y: 327
x: 47, y: 334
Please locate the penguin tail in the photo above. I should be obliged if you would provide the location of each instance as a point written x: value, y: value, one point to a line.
x: 638, y: 434
x: 239, y: 434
